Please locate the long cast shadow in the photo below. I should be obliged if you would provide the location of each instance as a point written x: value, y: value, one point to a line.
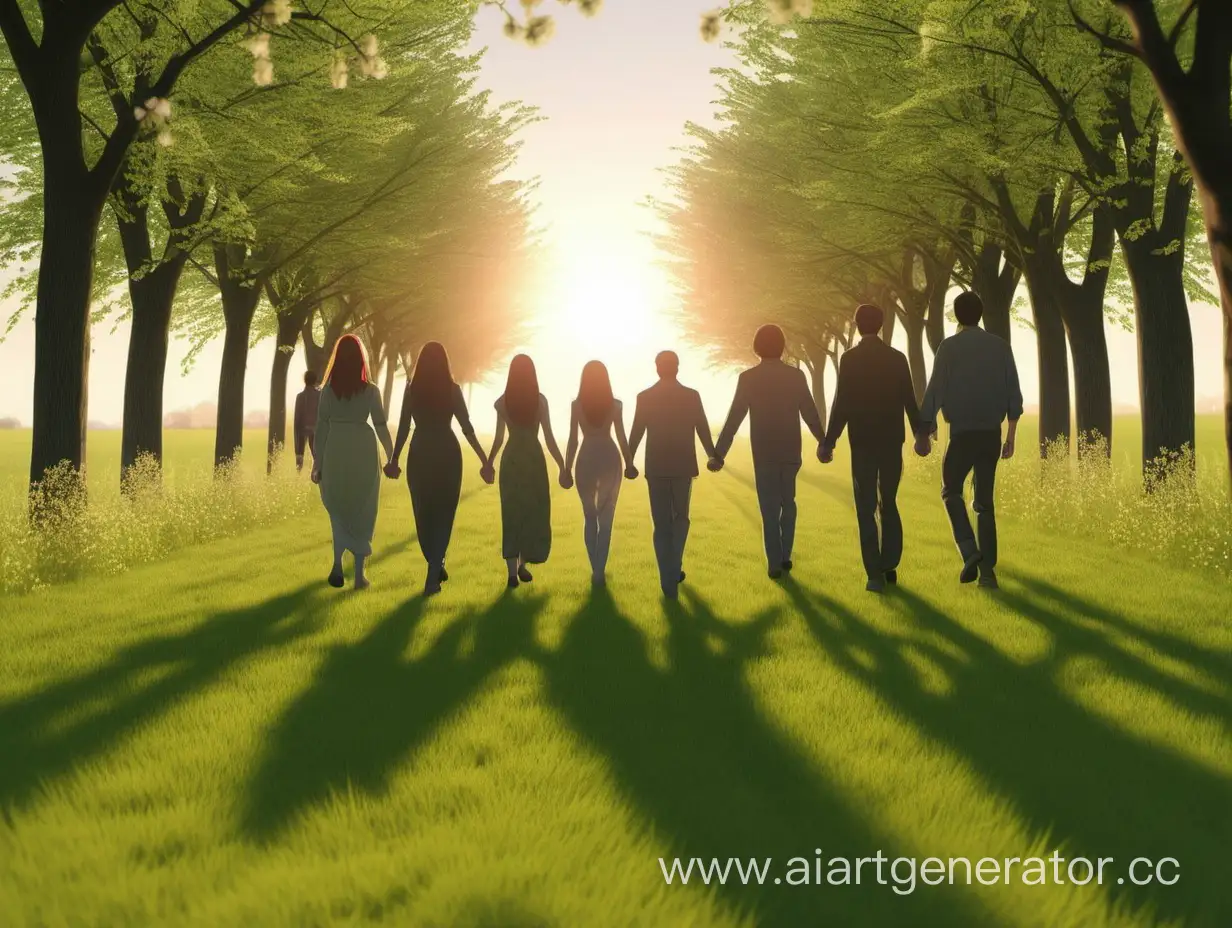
x: 369, y: 708
x: 55, y: 729
x: 1092, y: 788
x: 691, y: 749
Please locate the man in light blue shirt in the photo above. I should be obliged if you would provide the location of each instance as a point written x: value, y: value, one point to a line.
x: 975, y: 385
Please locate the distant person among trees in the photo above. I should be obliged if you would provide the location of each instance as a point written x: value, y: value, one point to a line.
x: 775, y: 397
x: 975, y: 385
x: 304, y: 426
x: 874, y: 391
x: 346, y: 462
x: 432, y: 401
x: 669, y: 414
x: 601, y: 463
x: 525, y: 495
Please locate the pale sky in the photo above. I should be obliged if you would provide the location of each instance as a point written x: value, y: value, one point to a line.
x: 616, y: 92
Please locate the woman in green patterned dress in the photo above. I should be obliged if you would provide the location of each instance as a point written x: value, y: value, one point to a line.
x: 526, y: 498
x: 346, y: 463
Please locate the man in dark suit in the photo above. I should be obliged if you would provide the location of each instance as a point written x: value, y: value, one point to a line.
x: 669, y: 414
x: 874, y: 392
x: 775, y: 397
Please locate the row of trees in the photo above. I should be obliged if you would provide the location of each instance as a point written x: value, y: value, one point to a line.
x: 266, y: 202
x: 887, y: 150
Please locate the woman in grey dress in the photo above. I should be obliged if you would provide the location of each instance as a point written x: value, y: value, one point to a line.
x: 346, y: 463
x: 600, y: 463
x: 525, y: 495
x: 434, y: 462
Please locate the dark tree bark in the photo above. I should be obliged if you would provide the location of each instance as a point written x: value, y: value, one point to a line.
x: 913, y: 325
x: 290, y: 323
x: 1198, y: 103
x: 391, y: 369
x: 938, y: 271
x: 315, y: 358
x: 241, y: 294
x: 996, y: 280
x: 151, y: 290
x: 815, y: 360
x: 73, y: 198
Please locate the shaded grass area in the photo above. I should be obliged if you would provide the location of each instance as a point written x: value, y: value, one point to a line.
x: 221, y: 739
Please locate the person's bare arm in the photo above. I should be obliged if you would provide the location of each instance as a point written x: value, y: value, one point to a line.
x: 462, y: 414
x: 376, y: 411
x: 571, y: 448
x: 545, y: 420
x: 499, y: 438
x: 618, y: 420
x: 404, y: 426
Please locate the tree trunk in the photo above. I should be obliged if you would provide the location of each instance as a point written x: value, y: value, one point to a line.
x: 939, y: 273
x: 391, y: 370
x: 289, y: 325
x: 816, y: 362
x: 240, y: 298
x: 1165, y: 348
x: 914, y: 327
x: 1219, y: 232
x: 72, y: 211
x: 314, y: 354
x: 996, y: 282
x: 152, y: 297
x: 1054, y: 417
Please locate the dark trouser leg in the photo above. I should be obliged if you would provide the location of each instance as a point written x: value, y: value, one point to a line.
x: 770, y: 501
x: 864, y: 472
x: 662, y: 517
x: 986, y: 516
x: 787, y: 491
x: 682, y: 495
x: 890, y: 473
x: 955, y: 467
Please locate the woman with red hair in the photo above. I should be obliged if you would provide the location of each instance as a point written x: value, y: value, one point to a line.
x: 346, y: 462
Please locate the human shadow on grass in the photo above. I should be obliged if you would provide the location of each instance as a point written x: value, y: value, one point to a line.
x: 52, y: 731
x: 1074, y: 779
x: 369, y: 708
x: 1052, y: 608
x: 693, y: 752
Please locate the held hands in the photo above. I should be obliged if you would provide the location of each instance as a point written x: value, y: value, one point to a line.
x: 825, y: 453
x: 923, y: 445
x: 487, y: 474
x: 316, y: 475
x: 1007, y: 450
x: 392, y: 470
x: 631, y: 472
x: 566, y: 480
x: 715, y: 464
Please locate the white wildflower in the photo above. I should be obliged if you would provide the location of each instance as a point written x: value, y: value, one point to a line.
x: 258, y: 44
x: 339, y: 74
x: 276, y: 13
x: 262, y: 72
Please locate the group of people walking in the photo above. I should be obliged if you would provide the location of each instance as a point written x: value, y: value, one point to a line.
x: 974, y: 384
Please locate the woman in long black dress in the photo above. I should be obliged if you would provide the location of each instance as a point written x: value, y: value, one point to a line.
x: 434, y: 462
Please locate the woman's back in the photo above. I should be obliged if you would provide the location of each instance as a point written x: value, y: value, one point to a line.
x: 601, y: 428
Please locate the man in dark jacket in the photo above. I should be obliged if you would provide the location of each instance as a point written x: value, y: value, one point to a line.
x: 975, y: 385
x: 775, y: 397
x: 874, y: 392
x: 305, y: 421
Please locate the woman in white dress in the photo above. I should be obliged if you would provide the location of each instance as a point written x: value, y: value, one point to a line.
x: 598, y: 469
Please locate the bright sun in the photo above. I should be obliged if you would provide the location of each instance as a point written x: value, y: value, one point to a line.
x: 607, y: 304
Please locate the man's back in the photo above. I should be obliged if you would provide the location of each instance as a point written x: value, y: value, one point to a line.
x: 974, y: 382
x: 775, y: 396
x: 671, y: 414
x: 874, y: 392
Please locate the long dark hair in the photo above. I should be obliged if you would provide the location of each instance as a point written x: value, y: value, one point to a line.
x: 522, y: 392
x: 432, y: 383
x: 595, y: 392
x: 347, y: 373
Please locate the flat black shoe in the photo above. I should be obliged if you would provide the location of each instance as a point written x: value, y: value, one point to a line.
x: 776, y: 575
x: 336, y: 580
x: 444, y: 574
x: 513, y: 583
x: 787, y: 566
x: 524, y: 575
x: 891, y: 577
x: 971, y: 568
x: 681, y: 580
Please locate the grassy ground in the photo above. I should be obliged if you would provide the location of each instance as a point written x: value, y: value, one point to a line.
x: 221, y: 739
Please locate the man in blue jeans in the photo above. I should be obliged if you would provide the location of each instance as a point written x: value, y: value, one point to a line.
x: 975, y: 385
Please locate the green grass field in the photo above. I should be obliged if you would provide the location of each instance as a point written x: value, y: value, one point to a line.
x: 221, y: 739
